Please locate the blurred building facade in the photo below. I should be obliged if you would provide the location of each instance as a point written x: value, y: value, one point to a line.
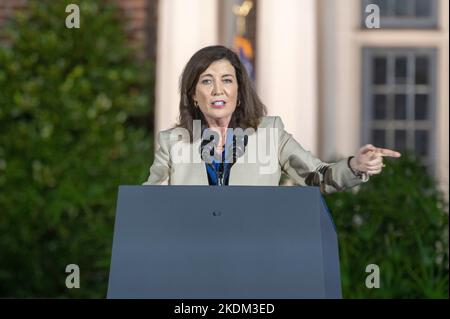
x: 336, y: 83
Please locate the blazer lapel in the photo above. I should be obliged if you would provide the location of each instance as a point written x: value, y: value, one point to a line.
x: 245, y: 170
x: 197, y: 169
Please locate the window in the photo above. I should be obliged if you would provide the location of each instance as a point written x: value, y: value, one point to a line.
x: 404, y: 13
x: 399, y: 99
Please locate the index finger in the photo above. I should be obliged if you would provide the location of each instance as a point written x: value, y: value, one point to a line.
x: 387, y: 152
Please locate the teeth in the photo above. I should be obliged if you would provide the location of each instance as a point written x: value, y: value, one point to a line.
x: 219, y: 103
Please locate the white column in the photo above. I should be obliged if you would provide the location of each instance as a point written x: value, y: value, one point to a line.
x: 442, y: 156
x: 340, y: 79
x: 184, y: 27
x: 327, y: 78
x: 286, y: 67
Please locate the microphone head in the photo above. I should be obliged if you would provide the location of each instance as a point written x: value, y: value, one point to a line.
x: 239, y: 144
x: 210, y: 140
x: 237, y: 147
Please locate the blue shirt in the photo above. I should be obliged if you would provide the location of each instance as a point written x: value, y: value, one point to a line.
x: 219, y: 171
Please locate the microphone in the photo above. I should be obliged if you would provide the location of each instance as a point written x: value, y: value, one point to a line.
x: 235, y: 149
x: 209, y: 142
x: 239, y: 145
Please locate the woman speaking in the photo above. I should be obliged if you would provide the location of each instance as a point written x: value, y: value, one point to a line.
x: 225, y: 138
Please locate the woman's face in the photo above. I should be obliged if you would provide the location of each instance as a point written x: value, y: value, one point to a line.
x: 216, y: 92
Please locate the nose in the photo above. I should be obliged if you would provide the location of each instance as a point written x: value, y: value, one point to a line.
x: 217, y: 88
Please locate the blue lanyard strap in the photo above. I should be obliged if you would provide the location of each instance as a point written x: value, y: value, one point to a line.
x: 218, y: 172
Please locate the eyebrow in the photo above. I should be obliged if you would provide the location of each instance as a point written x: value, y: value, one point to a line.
x: 212, y: 76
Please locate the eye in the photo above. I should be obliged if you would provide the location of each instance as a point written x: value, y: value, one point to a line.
x: 206, y: 81
x: 228, y: 81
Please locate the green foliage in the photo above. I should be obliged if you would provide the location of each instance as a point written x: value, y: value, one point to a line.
x: 68, y: 98
x: 397, y: 220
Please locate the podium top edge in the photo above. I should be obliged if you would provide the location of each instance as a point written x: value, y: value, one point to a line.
x: 303, y: 188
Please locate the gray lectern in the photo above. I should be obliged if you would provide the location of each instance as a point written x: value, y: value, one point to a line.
x: 185, y: 242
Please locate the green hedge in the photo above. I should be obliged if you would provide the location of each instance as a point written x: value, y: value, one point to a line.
x: 398, y: 221
x: 68, y: 98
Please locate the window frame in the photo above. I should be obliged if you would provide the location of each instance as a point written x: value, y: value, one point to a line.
x: 410, y: 124
x: 398, y: 22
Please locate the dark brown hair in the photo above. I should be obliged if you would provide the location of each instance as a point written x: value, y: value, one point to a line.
x: 250, y: 110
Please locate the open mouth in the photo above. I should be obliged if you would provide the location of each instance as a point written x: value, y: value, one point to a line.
x: 218, y: 104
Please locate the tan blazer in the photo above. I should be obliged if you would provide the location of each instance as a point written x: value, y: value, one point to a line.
x: 286, y: 155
